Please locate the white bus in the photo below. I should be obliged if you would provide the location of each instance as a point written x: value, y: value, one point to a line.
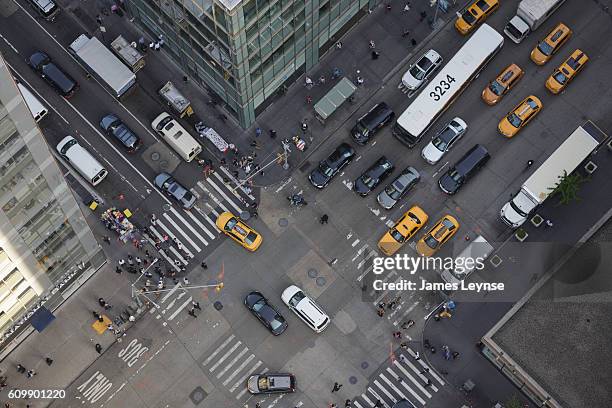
x: 81, y: 160
x: 176, y: 136
x: 36, y: 107
x: 447, y: 85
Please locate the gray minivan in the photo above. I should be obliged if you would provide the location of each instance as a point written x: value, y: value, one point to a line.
x: 371, y: 122
x: 465, y: 168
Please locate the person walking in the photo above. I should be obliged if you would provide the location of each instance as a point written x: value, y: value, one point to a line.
x: 455, y: 355
x: 121, y: 262
x: 375, y: 55
x: 378, y: 404
x: 192, y: 313
x: 406, y: 33
x: 257, y: 132
x: 49, y: 361
x: 380, y: 312
x: 339, y: 45
x: 402, y: 358
x: 336, y: 387
x: 324, y: 219
x: 428, y: 384
x: 196, y: 304
x: 99, y: 348
x: 107, y: 240
x: 272, y: 134
x: 118, y: 270
x: 372, y: 44
x: 31, y: 373
x: 204, y: 265
x: 549, y: 223
x: 413, y: 42
x: 21, y: 369
x: 348, y: 404
x: 417, y: 356
x: 397, y: 335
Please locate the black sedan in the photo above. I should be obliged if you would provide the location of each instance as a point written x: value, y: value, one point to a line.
x: 265, y: 312
x: 373, y: 176
x: 58, y: 79
x: 170, y: 186
x: 113, y: 126
x: 328, y: 168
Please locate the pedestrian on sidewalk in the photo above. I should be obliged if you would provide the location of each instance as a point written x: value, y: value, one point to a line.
x: 196, y: 304
x: 336, y: 387
x: 204, y: 265
x: 408, y: 324
x: 347, y: 403
x: 258, y: 405
x: 102, y: 302
x: 192, y: 313
x: 407, y: 7
x: 31, y: 373
x: 308, y: 99
x: 49, y: 361
x: 404, y: 345
x: 257, y: 132
x: 388, y: 7
x: 99, y: 20
x: 428, y: 384
x: 406, y: 33
x: 186, y: 281
x: 530, y: 163
x: 372, y: 44
x: 333, y: 406
x: 324, y: 219
x: 118, y: 269
x: 21, y: 369
x: 378, y: 404
x: 455, y: 355
x: 339, y: 45
x: 375, y: 55
x: 417, y: 356
x: 413, y: 42
x: 185, y: 78
x: 403, y: 358
x: 423, y: 16
x: 99, y: 348
x: 397, y: 335
x: 106, y: 239
x: 121, y: 262
x: 138, y: 260
x: 549, y: 223
x: 272, y: 134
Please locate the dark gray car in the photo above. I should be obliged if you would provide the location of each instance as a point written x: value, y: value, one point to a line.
x: 52, y: 74
x: 113, y: 126
x: 170, y: 186
x: 398, y: 187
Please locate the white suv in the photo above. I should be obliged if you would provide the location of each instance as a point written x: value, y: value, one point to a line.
x: 305, y: 308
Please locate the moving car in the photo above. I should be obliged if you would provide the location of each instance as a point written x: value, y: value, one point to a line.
x: 475, y: 14
x: 373, y: 176
x: 520, y: 116
x: 464, y: 169
x: 265, y: 312
x: 552, y: 43
x: 418, y: 73
x: 305, y: 308
x: 398, y: 188
x: 238, y: 231
x: 174, y: 189
x: 271, y: 383
x: 328, y: 168
x: 403, y: 230
x: 113, y: 126
x: 444, y: 140
x: 562, y: 76
x: 371, y: 122
x: 502, y: 84
x: 441, y: 232
x: 58, y: 79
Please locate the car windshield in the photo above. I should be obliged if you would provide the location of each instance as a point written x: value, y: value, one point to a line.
x: 417, y: 72
x: 496, y: 88
x: 560, y: 77
x: 231, y: 224
x: 468, y: 17
x: 275, y: 324
x: 326, y: 169
x: 362, y: 128
x: 368, y: 180
x: 456, y: 176
x: 395, y: 234
x: 250, y: 238
x: 424, y: 63
x: 545, y: 48
x: 263, y: 383
x: 295, y: 299
x: 259, y: 305
x: 514, y: 120
x: 443, y: 139
x: 163, y: 123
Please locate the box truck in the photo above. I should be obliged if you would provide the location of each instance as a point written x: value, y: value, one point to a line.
x: 530, y: 14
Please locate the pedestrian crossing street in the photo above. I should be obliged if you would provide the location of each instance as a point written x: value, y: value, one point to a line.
x: 404, y: 378
x: 172, y: 303
x: 196, y: 229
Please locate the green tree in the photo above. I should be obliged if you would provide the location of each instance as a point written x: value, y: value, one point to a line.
x: 567, y: 187
x: 513, y: 402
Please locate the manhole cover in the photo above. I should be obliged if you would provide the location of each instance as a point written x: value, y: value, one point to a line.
x: 155, y: 156
x: 197, y: 395
x: 218, y: 305
x: 364, y: 365
x: 320, y: 281
x: 283, y: 222
x: 353, y: 379
x: 163, y: 164
x: 245, y: 215
x: 313, y: 273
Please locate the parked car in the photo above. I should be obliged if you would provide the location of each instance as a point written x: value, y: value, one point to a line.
x: 113, y: 126
x: 371, y: 122
x: 464, y: 169
x: 520, y: 116
x: 418, y: 73
x: 403, y: 230
x: 373, y: 176
x: 444, y: 140
x: 52, y: 74
x: 174, y: 189
x: 562, y: 76
x: 328, y: 168
x: 505, y: 81
x: 271, y: 383
x: 398, y: 188
x: 544, y: 51
x: 305, y: 308
x: 237, y: 230
x: 441, y: 232
x: 265, y: 312
x: 475, y: 14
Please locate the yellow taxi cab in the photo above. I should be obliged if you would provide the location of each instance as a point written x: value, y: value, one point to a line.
x: 474, y: 15
x: 404, y: 229
x: 552, y: 43
x: 431, y: 242
x: 238, y: 231
x: 563, y: 75
x: 518, y: 117
x: 502, y: 84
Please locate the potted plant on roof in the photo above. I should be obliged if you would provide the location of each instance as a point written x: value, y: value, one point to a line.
x: 521, y: 235
x: 537, y: 220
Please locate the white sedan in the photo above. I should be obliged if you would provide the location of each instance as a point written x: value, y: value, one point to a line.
x: 444, y: 140
x: 421, y: 70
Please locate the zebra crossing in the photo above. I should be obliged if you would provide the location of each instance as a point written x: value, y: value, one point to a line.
x: 194, y: 230
x: 175, y: 301
x: 405, y: 378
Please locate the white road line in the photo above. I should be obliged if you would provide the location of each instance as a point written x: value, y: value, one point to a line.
x: 387, y: 393
x: 231, y: 363
x: 188, y: 225
x: 180, y: 308
x: 355, y: 242
x: 416, y: 372
x: 179, y: 297
x: 202, y: 227
x: 172, y: 291
x: 232, y: 191
x: 276, y: 400
x: 368, y: 269
x: 378, y: 397
x: 163, y: 253
x: 240, y: 367
x: 218, y: 349
x: 359, y: 252
x: 212, y: 196
x: 364, y: 396
x: 364, y: 260
x: 211, y: 222
x: 411, y: 391
x: 195, y: 193
x: 175, y: 225
x: 432, y: 373
x: 393, y: 387
x: 357, y: 404
x: 396, y: 322
x: 229, y: 200
x: 244, y: 377
x: 225, y: 356
x: 231, y: 177
x: 414, y: 380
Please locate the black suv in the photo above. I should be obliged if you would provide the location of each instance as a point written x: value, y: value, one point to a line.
x: 465, y: 168
x: 51, y: 73
x: 328, y: 168
x: 373, y: 176
x: 371, y: 122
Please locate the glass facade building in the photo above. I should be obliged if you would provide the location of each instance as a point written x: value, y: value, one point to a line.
x: 46, y: 245
x: 247, y: 51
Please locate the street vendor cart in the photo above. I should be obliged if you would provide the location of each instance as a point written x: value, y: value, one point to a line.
x: 118, y: 221
x: 175, y: 100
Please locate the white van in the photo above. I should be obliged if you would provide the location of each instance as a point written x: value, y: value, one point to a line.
x: 81, y: 160
x: 176, y: 136
x: 479, y: 248
x: 34, y: 105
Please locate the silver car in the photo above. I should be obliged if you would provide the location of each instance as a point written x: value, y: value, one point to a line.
x: 398, y: 188
x: 421, y: 70
x: 444, y: 140
x: 174, y: 189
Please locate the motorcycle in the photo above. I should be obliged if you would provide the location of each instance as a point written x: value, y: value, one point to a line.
x: 297, y: 200
x: 299, y: 143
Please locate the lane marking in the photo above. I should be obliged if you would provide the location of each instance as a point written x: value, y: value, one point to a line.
x: 171, y: 234
x: 220, y: 191
x: 202, y: 227
x: 232, y: 362
x: 225, y: 356
x: 242, y: 379
x: 189, y: 226
x: 240, y: 367
x: 384, y: 390
x: 214, y: 353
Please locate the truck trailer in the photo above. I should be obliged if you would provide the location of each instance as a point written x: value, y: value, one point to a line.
x: 104, y: 65
x: 530, y: 14
x: 573, y: 151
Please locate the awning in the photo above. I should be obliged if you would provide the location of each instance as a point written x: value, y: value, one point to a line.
x: 334, y: 98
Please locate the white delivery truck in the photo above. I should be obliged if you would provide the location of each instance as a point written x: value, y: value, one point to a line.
x: 577, y: 147
x: 103, y: 64
x: 530, y: 14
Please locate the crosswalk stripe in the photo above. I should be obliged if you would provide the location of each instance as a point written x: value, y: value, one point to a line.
x: 406, y: 313
x: 170, y: 293
x: 202, y: 227
x: 225, y: 356
x: 229, y: 200
x: 178, y: 255
x: 218, y: 349
x: 384, y: 390
x: 231, y: 177
x: 365, y: 397
x: 411, y: 378
x: 212, y: 196
x: 241, y: 393
x: 231, y: 190
x: 173, y: 237
x: 179, y: 297
x: 411, y: 391
x: 231, y: 363
x: 162, y: 253
x: 180, y: 308
x: 385, y: 279
x: 358, y: 405
x: 432, y: 373
x: 364, y: 260
x: 175, y: 225
x: 416, y: 372
x: 359, y: 252
x: 240, y: 368
x: 207, y: 218
x: 368, y: 269
x: 393, y: 387
x: 188, y: 225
